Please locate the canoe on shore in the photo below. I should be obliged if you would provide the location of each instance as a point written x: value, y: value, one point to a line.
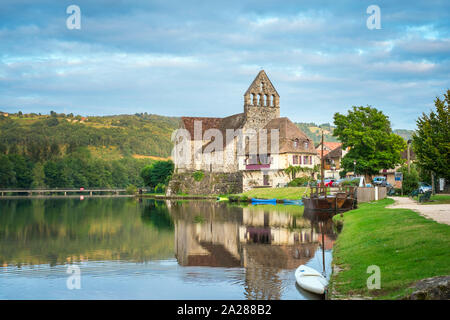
x: 310, y: 279
x: 268, y: 201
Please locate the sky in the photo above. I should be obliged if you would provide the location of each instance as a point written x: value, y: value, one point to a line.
x: 197, y: 58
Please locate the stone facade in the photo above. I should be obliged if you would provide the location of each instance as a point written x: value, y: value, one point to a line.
x: 208, y: 138
x: 210, y: 183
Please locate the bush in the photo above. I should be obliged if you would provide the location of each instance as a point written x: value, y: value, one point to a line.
x: 299, y: 182
x: 410, y: 180
x: 131, y: 189
x: 160, y: 188
x: 198, y: 175
x: 353, y: 183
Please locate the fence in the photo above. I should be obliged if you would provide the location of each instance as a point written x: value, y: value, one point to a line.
x: 366, y: 194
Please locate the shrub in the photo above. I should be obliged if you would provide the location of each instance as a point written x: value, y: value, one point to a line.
x: 198, y: 175
x: 299, y: 182
x: 160, y: 188
x: 410, y: 180
x: 131, y: 189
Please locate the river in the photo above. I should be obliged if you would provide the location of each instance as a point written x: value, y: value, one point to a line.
x: 129, y: 248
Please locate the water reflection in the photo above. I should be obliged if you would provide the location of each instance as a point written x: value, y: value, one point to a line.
x: 254, y: 248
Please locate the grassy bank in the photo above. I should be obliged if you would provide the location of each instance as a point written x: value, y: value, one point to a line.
x: 406, y: 246
x: 291, y: 193
x: 439, y: 199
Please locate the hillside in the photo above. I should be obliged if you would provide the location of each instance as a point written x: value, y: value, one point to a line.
x: 108, y: 137
x: 60, y: 151
x: 313, y: 131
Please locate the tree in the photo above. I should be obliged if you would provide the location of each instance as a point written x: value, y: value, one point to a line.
x: 431, y: 141
x: 158, y: 172
x: 373, y: 145
x: 7, y: 174
x: 38, y: 176
x: 410, y: 179
x: 23, y: 168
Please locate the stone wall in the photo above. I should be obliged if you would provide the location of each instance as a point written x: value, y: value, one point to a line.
x: 211, y: 183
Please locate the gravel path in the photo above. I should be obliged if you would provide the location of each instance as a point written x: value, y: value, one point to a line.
x: 437, y: 212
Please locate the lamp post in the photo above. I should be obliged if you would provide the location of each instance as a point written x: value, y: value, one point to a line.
x: 409, y: 148
x: 354, y: 168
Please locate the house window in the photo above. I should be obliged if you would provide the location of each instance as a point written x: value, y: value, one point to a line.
x: 296, y: 143
x: 295, y: 159
x: 306, y: 145
x: 310, y: 160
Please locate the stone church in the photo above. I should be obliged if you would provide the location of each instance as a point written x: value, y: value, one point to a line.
x: 285, y: 144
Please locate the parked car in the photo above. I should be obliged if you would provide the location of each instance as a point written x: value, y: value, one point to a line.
x: 338, y: 182
x: 379, y: 181
x: 327, y: 182
x: 424, y: 187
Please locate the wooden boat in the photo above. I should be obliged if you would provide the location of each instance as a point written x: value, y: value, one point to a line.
x: 264, y: 201
x: 320, y: 200
x: 310, y: 279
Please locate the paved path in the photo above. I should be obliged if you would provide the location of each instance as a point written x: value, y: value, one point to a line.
x: 437, y: 212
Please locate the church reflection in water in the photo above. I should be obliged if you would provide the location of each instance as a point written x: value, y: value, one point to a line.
x: 263, y: 240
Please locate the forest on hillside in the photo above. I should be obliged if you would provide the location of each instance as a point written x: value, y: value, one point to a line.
x: 60, y: 151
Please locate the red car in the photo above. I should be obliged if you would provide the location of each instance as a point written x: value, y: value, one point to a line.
x: 327, y: 182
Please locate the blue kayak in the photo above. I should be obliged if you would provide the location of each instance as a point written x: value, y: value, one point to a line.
x: 298, y: 202
x: 270, y: 201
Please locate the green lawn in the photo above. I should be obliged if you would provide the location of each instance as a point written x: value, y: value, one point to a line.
x: 439, y: 199
x: 278, y: 193
x: 406, y: 246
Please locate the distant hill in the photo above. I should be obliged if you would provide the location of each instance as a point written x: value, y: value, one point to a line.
x: 313, y: 131
x: 107, y: 137
x: 142, y: 135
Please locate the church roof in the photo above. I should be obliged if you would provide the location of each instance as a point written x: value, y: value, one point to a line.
x: 261, y: 77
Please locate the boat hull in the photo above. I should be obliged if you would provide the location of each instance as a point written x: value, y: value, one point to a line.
x: 310, y: 280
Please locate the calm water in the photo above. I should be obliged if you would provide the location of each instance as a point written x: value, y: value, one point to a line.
x: 131, y: 249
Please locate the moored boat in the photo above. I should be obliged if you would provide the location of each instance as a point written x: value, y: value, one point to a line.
x: 266, y: 201
x: 311, y: 280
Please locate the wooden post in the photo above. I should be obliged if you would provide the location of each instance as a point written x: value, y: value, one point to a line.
x: 90, y: 193
x: 432, y: 183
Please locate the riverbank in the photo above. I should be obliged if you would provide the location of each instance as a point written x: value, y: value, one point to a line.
x: 406, y: 246
x: 290, y: 193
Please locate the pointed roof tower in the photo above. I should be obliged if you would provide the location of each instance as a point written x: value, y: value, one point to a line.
x: 262, y: 92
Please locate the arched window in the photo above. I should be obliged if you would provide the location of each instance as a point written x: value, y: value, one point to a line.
x: 296, y: 143
x: 306, y: 145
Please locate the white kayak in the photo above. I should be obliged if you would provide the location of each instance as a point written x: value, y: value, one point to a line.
x: 310, y: 280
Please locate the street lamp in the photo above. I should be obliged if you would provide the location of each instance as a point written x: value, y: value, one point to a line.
x: 354, y: 168
x: 409, y: 148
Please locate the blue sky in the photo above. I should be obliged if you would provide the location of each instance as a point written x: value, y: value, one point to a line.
x: 197, y: 58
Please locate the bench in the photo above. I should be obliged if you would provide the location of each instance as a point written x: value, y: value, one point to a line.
x: 425, y: 197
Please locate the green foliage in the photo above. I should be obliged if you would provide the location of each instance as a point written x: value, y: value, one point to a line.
x: 408, y: 246
x: 431, y: 141
x: 160, y: 188
x: 410, y: 180
x: 198, y: 175
x: 158, y: 172
x: 372, y: 143
x: 131, y: 189
x: 7, y: 174
x: 300, y: 182
x: 352, y: 183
